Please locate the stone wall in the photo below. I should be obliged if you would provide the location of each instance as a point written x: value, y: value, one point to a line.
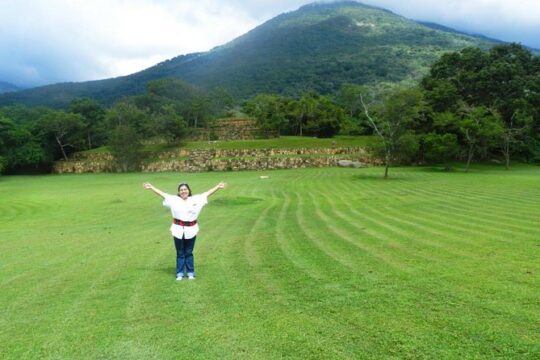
x: 221, y: 160
x: 231, y: 129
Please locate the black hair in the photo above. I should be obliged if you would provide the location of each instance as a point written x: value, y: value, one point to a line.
x: 186, y: 185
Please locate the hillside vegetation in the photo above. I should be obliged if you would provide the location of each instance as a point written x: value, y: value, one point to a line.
x: 318, y: 47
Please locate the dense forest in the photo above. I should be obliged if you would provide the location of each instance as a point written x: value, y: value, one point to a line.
x: 473, y: 105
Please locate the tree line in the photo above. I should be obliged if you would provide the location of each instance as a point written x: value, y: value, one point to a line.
x: 32, y: 138
x: 473, y: 104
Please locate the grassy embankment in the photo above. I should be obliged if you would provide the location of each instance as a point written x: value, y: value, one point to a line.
x: 312, y: 263
x: 284, y: 142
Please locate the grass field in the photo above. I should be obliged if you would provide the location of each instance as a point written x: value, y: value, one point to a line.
x: 307, y: 264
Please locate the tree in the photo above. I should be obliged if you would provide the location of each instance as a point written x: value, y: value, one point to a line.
x: 304, y: 110
x: 441, y: 147
x: 348, y: 97
x: 391, y: 120
x: 221, y: 101
x: 126, y: 113
x: 513, y: 132
x: 326, y: 120
x: 169, y: 124
x: 65, y: 128
x: 126, y: 148
x: 18, y: 146
x: 197, y: 110
x: 269, y: 112
x: 93, y: 115
x: 480, y: 128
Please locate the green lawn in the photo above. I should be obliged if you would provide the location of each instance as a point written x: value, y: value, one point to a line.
x: 307, y: 264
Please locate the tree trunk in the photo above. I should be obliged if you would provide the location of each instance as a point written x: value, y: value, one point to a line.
x: 506, y: 153
x: 469, y: 158
x: 89, y: 141
x: 386, y: 164
x: 61, y: 148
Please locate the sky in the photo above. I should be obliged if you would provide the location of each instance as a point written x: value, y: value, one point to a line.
x: 49, y: 41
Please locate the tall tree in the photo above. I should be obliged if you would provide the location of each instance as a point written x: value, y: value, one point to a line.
x: 391, y: 118
x: 327, y: 118
x: 480, y: 128
x: 513, y: 133
x: 126, y: 113
x: 349, y: 98
x: 169, y: 125
x: 304, y: 110
x: 65, y: 129
x: 269, y: 112
x: 197, y: 110
x: 92, y: 114
x: 126, y: 148
x: 441, y: 147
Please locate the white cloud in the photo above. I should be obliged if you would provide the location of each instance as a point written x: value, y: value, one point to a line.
x: 80, y: 40
x: 509, y: 20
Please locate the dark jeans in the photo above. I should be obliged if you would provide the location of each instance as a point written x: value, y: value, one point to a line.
x: 184, y: 255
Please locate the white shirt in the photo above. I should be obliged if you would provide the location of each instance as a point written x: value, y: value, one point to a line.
x: 185, y: 210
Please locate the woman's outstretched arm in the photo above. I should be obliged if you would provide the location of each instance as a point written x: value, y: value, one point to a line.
x: 154, y: 189
x: 221, y: 185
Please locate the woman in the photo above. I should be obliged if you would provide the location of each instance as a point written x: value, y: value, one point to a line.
x: 185, y: 209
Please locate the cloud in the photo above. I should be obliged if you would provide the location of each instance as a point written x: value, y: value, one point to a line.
x: 43, y: 42
x: 512, y: 21
x: 64, y: 40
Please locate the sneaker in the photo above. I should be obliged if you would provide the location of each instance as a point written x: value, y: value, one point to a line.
x: 191, y: 277
x: 179, y: 277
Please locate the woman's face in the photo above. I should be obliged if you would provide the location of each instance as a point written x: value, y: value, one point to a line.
x: 183, y: 192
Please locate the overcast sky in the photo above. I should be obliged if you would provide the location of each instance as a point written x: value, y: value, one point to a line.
x: 49, y: 41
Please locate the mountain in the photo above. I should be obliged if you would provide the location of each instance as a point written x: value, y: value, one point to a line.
x: 319, y: 46
x: 8, y: 87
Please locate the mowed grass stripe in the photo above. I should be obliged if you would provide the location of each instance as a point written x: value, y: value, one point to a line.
x: 294, y: 246
x: 490, y: 196
x: 320, y: 234
x: 440, y: 215
x: 375, y: 212
x: 392, y: 252
x: 387, y: 208
x: 280, y: 292
x: 435, y: 272
x: 270, y: 313
x: 369, y: 220
x: 439, y: 224
x: 496, y: 214
x: 381, y: 224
